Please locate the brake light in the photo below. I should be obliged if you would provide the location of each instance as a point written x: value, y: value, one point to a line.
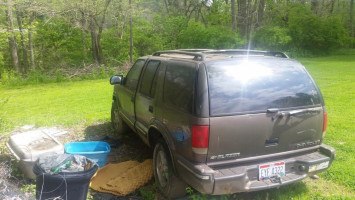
x: 200, y: 136
x: 325, y: 119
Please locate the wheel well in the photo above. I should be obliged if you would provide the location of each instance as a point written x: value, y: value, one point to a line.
x: 154, y: 135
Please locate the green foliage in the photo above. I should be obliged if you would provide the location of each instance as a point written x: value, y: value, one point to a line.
x: 219, y: 14
x: 147, y: 194
x: 168, y: 30
x: 4, y: 51
x: 61, y: 44
x: 197, y: 35
x: 313, y: 33
x: 272, y: 38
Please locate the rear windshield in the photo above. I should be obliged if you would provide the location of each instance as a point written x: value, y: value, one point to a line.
x: 250, y: 86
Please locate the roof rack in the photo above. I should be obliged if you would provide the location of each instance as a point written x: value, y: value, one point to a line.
x: 197, y: 56
x: 247, y: 52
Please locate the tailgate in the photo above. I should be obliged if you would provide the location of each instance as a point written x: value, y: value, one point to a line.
x: 241, y: 136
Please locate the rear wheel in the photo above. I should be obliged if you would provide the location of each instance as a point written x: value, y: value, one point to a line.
x: 118, y: 125
x: 169, y: 184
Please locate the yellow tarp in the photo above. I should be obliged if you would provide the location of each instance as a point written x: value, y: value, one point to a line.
x: 122, y: 178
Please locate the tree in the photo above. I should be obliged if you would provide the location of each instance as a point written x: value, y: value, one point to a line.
x: 242, y: 17
x: 261, y: 13
x: 130, y: 33
x: 90, y: 16
x: 19, y: 16
x: 352, y: 18
x: 12, y: 37
x: 315, y: 6
x: 234, y: 17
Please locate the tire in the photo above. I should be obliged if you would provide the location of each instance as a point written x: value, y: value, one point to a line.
x: 118, y: 125
x: 168, y: 183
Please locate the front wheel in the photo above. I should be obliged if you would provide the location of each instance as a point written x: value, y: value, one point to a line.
x: 169, y: 184
x: 118, y: 125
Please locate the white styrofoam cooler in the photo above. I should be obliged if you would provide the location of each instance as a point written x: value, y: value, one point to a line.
x: 28, y: 146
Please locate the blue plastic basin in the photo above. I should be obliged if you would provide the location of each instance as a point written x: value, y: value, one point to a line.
x: 96, y: 151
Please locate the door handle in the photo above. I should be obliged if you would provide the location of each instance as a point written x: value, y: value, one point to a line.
x: 150, y: 109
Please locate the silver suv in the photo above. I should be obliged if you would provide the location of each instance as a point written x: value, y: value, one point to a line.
x: 224, y: 121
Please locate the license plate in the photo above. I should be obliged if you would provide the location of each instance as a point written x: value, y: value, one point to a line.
x: 318, y: 166
x: 271, y: 170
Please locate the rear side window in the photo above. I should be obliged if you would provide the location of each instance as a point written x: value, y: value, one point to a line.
x: 179, y: 85
x: 241, y: 86
x: 147, y: 86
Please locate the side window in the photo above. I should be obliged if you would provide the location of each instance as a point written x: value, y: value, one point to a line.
x: 133, y: 75
x: 148, y: 80
x: 179, y: 85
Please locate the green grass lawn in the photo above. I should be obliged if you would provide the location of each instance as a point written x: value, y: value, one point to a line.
x: 335, y: 76
x: 84, y: 102
x: 65, y: 104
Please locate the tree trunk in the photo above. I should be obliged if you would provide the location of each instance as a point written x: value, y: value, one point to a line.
x: 261, y: 13
x: 234, y: 17
x: 242, y: 14
x: 352, y: 18
x: 22, y: 42
x: 249, y: 18
x: 314, y: 6
x: 12, y: 37
x: 95, y: 51
x: 130, y: 33
x: 96, y: 32
x: 165, y: 2
x: 331, y: 9
x: 30, y: 41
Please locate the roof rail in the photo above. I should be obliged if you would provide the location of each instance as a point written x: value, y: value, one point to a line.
x: 197, y: 56
x: 195, y: 50
x: 247, y: 52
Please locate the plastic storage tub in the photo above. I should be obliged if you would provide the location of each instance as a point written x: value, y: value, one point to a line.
x: 29, y: 146
x: 96, y: 151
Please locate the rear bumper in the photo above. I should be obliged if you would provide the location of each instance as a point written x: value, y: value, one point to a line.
x: 244, y: 177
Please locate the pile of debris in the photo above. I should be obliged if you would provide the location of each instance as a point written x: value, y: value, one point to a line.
x: 7, y: 189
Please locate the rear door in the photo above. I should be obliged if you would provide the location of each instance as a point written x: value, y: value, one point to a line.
x: 262, y: 106
x: 145, y: 101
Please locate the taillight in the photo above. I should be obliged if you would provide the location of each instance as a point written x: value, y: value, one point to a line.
x: 200, y: 136
x: 325, y: 119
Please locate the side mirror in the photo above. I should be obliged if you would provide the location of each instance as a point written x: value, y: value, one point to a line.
x: 116, y: 80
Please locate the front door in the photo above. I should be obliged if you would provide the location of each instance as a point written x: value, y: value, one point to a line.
x: 127, y: 93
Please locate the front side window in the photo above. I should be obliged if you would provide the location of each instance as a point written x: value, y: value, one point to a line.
x: 245, y: 86
x: 179, y: 85
x: 149, y: 77
x: 133, y: 75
